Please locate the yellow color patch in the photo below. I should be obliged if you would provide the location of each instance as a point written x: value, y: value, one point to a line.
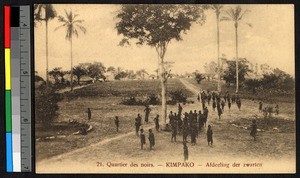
x: 7, y: 69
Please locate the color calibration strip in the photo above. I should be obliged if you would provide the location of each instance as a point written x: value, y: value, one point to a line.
x: 17, y: 88
x: 8, y: 112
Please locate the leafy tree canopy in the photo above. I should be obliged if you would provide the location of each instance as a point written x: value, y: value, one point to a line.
x: 155, y: 24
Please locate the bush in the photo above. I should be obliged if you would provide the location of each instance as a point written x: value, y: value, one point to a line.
x: 153, y: 100
x: 46, y: 106
x: 132, y: 100
x: 177, y: 97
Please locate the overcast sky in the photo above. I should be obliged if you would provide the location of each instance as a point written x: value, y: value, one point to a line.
x: 270, y: 40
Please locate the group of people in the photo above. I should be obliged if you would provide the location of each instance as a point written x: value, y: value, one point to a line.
x: 188, y: 123
x: 191, y: 124
x: 218, y: 102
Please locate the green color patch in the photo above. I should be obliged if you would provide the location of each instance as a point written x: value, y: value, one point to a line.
x: 8, y: 116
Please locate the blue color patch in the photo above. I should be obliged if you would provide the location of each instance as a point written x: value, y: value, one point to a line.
x: 9, y: 156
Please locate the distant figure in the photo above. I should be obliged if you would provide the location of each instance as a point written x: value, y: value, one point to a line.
x: 185, y: 151
x: 89, y: 114
x: 147, y: 111
x: 138, y: 123
x: 156, y: 121
x: 223, y: 104
x: 233, y: 98
x: 143, y: 139
x: 174, y: 132
x: 179, y: 110
x: 253, y: 129
x: 260, y: 106
x: 229, y: 104
x: 117, y: 123
x: 185, y: 131
x: 219, y: 112
x: 208, y: 98
x: 170, y: 117
x: 277, y: 109
x: 151, y: 139
x: 239, y: 103
x: 209, y: 135
x: 214, y: 105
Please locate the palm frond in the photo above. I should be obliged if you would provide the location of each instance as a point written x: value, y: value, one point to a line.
x: 63, y: 25
x: 83, y: 29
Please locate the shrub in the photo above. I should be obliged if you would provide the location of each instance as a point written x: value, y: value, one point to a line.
x: 46, y: 106
x: 153, y: 100
x: 132, y: 100
x: 177, y: 97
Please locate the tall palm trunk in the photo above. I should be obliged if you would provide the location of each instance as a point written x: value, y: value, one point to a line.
x: 237, y: 58
x: 163, y: 94
x: 47, y: 62
x: 218, y: 41
x: 71, y: 64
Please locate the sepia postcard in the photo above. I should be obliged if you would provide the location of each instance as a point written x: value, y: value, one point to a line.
x: 164, y: 88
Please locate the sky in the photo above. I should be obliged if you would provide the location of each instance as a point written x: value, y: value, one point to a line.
x: 270, y: 40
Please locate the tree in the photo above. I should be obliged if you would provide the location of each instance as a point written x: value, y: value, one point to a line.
x: 121, y: 75
x: 230, y: 73
x: 79, y: 71
x: 217, y: 9
x: 72, y: 25
x: 142, y: 73
x: 95, y: 70
x: 111, y: 69
x: 45, y: 12
x: 253, y: 84
x: 156, y: 26
x: 211, y: 69
x: 236, y: 15
x: 199, y: 77
x: 55, y: 73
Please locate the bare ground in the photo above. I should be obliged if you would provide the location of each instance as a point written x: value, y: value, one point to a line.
x: 275, y: 149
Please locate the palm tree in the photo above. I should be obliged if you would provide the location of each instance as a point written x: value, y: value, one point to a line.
x: 217, y: 9
x: 72, y: 25
x: 45, y: 12
x: 236, y: 15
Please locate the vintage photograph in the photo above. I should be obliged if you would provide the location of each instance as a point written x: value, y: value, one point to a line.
x: 164, y: 88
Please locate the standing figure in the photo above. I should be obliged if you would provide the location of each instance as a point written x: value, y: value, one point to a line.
x: 170, y: 117
x: 156, y: 121
x: 209, y: 135
x: 214, y: 105
x: 147, y: 111
x: 174, y: 132
x: 277, y: 109
x: 219, y: 112
x: 260, y: 106
x: 179, y: 110
x: 223, y: 104
x: 253, y: 129
x: 229, y: 104
x: 138, y: 123
x: 185, y: 151
x: 239, y: 103
x: 143, y: 138
x: 89, y: 114
x: 151, y: 139
x: 185, y: 131
x: 205, y: 113
x: 208, y: 98
x: 117, y: 123
x: 233, y: 98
